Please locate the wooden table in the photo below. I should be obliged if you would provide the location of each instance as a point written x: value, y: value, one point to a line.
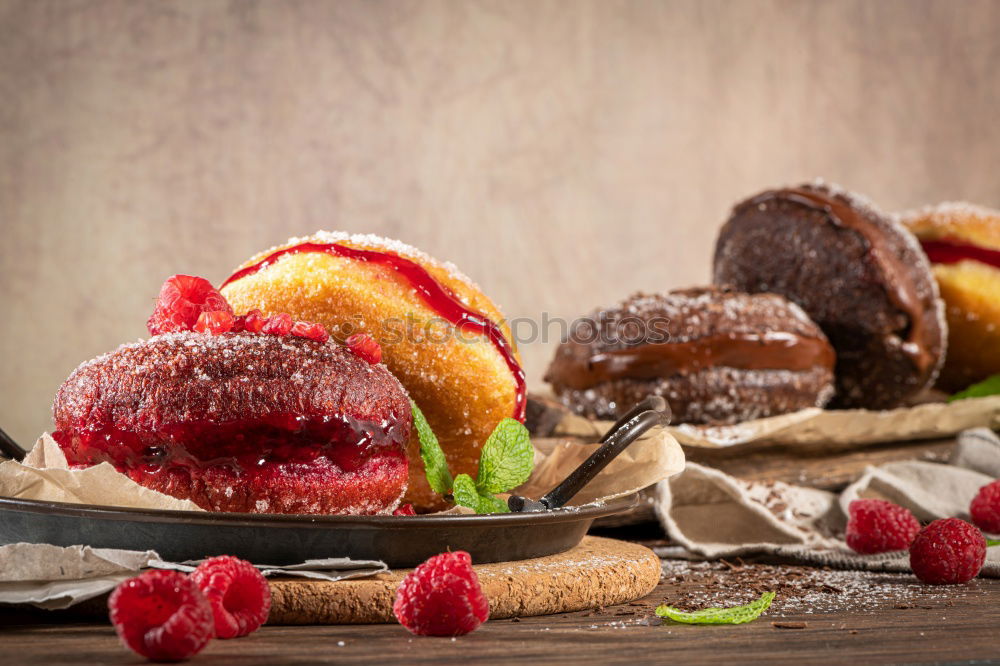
x: 900, y: 621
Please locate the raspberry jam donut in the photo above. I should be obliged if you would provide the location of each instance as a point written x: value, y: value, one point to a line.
x: 242, y: 422
x: 717, y: 356
x: 440, y: 335
x: 962, y: 242
x: 857, y: 272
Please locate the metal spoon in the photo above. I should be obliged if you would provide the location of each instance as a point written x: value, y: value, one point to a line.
x: 652, y: 411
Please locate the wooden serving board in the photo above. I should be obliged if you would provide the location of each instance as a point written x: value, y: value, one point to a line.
x: 598, y: 572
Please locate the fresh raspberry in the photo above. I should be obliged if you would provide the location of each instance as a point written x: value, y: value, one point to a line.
x: 252, y: 322
x: 237, y: 592
x: 279, y: 324
x: 214, y: 322
x: 365, y: 346
x: 182, y: 300
x: 441, y: 597
x: 985, y: 508
x: 948, y: 551
x: 305, y: 329
x: 877, y: 526
x: 405, y: 510
x: 162, y: 615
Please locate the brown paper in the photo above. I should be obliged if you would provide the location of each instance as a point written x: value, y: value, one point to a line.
x: 45, y: 475
x: 53, y: 577
x: 821, y: 428
x: 651, y: 458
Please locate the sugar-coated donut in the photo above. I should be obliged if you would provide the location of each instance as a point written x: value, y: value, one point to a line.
x: 242, y: 422
x: 962, y: 242
x: 440, y: 335
x: 857, y: 272
x: 717, y: 356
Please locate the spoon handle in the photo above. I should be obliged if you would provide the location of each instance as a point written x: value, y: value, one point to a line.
x: 10, y: 448
x: 600, y: 458
x: 650, y: 412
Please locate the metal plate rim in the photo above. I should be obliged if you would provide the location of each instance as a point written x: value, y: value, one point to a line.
x: 100, y: 512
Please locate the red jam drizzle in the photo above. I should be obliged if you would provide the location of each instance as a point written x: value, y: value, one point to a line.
x: 277, y: 439
x: 947, y: 251
x: 438, y: 297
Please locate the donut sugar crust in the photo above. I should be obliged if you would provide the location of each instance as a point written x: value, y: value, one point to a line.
x: 857, y: 272
x: 242, y: 422
x: 717, y: 356
x: 963, y: 243
x: 463, y: 384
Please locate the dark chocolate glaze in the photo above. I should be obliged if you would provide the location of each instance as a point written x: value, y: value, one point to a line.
x: 858, y: 274
x: 726, y: 357
x: 772, y: 350
x: 899, y: 283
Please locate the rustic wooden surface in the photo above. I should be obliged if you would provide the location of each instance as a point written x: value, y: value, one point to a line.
x: 952, y: 625
x: 562, y: 154
x: 597, y: 572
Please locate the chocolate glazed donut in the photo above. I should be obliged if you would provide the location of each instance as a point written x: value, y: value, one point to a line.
x: 857, y: 272
x: 716, y: 355
x: 242, y: 422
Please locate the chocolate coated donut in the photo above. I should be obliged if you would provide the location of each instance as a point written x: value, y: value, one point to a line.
x: 716, y: 355
x: 857, y: 272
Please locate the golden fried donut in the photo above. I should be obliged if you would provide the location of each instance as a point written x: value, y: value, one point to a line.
x: 963, y: 243
x: 440, y: 335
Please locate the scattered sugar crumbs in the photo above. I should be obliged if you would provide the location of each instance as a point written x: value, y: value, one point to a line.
x: 803, y: 590
x: 799, y: 591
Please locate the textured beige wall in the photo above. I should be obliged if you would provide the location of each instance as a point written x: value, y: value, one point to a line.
x: 563, y: 154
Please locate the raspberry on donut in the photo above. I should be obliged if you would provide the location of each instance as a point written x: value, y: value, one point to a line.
x: 244, y: 422
x: 438, y: 333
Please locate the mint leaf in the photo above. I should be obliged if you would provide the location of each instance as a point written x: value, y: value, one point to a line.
x: 734, y: 615
x: 491, y: 504
x: 435, y: 464
x: 466, y: 494
x: 989, y: 386
x: 992, y: 542
x: 507, y: 458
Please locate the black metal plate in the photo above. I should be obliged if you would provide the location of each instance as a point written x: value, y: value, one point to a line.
x: 399, y: 541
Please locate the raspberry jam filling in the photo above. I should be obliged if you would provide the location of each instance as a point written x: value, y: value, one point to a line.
x: 259, y: 458
x: 949, y: 251
x: 438, y: 297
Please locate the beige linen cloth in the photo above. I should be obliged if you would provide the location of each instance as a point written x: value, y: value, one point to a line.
x: 712, y: 515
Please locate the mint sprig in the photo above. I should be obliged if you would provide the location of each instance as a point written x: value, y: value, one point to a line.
x: 989, y: 386
x: 734, y: 615
x: 992, y: 542
x: 505, y: 463
x: 466, y: 493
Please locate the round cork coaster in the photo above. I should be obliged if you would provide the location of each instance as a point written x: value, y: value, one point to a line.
x: 597, y: 572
